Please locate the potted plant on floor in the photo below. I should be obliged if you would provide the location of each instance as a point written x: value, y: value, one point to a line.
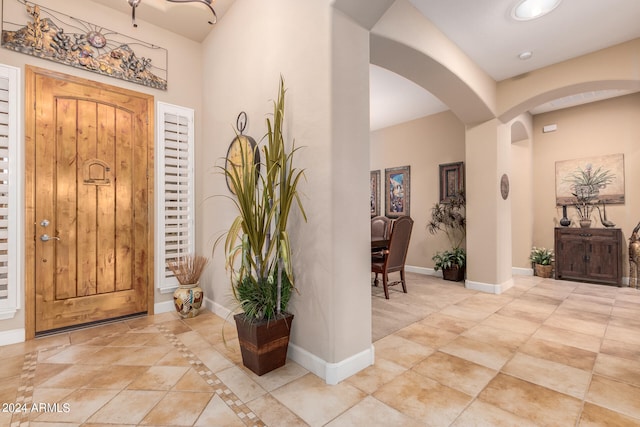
x: 542, y: 259
x: 258, y: 249
x: 452, y: 263
x: 449, y: 216
x: 187, y: 299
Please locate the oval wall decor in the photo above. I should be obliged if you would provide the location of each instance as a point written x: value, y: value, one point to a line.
x: 504, y: 186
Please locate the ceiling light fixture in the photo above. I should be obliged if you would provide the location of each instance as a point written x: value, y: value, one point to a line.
x: 134, y: 4
x: 526, y: 10
x: 525, y: 55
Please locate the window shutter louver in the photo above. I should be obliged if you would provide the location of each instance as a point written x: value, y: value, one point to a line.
x: 10, y: 192
x: 175, y: 225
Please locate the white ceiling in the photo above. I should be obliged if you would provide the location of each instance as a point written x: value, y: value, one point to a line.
x: 483, y: 29
x: 186, y: 19
x: 493, y: 40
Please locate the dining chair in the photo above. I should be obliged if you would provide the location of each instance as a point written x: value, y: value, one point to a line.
x: 380, y: 227
x: 394, y: 257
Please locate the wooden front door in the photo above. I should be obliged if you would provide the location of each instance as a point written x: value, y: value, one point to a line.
x: 89, y: 205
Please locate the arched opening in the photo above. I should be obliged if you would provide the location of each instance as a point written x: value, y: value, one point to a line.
x: 521, y: 192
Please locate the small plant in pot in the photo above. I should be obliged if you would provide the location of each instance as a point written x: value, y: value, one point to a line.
x: 542, y: 258
x: 451, y: 263
x: 258, y: 249
x: 187, y: 299
x: 448, y: 216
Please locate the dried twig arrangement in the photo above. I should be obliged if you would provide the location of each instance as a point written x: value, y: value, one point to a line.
x: 188, y: 269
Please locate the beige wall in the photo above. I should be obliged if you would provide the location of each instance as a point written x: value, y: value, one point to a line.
x: 322, y: 57
x: 600, y: 128
x: 487, y: 156
x: 184, y: 78
x: 521, y: 191
x: 615, y: 67
x: 423, y: 144
x: 407, y: 43
x: 324, y: 60
x: 351, y: 294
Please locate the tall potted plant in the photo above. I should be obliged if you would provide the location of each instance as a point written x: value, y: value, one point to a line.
x: 449, y: 217
x: 258, y: 249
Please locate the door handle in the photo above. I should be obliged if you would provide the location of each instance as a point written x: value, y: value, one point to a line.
x: 46, y: 238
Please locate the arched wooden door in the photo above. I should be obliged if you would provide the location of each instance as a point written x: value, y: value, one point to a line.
x: 89, y: 204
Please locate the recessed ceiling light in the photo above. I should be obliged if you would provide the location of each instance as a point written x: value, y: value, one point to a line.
x: 532, y: 9
x: 525, y: 55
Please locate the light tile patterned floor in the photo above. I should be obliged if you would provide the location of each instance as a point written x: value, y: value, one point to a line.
x: 546, y: 353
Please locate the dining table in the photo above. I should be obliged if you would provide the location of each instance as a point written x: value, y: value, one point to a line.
x: 379, y: 244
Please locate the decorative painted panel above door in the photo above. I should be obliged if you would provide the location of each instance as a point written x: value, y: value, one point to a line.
x: 39, y: 31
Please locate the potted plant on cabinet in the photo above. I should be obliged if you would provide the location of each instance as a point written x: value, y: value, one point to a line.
x: 258, y: 249
x: 542, y: 259
x: 449, y: 216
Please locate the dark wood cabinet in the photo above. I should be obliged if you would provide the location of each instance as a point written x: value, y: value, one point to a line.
x: 589, y: 255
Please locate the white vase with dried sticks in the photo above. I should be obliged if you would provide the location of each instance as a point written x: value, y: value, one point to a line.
x: 189, y: 296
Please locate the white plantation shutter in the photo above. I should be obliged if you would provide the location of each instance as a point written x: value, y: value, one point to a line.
x: 10, y: 194
x: 175, y: 190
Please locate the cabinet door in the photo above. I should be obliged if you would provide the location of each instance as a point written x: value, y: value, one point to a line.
x: 602, y: 259
x: 570, y: 257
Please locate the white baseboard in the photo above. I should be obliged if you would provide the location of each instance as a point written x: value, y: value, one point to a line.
x: 422, y: 270
x: 9, y: 313
x: 167, y: 289
x: 342, y: 370
x: 163, y: 307
x: 331, y: 373
x: 489, y: 287
x: 519, y: 271
x: 478, y: 286
x: 12, y: 336
x: 214, y: 307
x: 219, y: 310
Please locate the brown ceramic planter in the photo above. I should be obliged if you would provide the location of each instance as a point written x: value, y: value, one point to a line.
x: 264, y: 344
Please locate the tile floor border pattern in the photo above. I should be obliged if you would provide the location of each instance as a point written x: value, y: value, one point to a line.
x: 245, y: 414
x: 25, y: 389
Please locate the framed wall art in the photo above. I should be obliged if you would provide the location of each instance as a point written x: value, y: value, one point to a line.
x: 451, y: 180
x: 601, y: 179
x: 398, y: 191
x: 374, y: 188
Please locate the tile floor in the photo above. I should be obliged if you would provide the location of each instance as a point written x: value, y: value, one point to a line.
x: 545, y: 353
